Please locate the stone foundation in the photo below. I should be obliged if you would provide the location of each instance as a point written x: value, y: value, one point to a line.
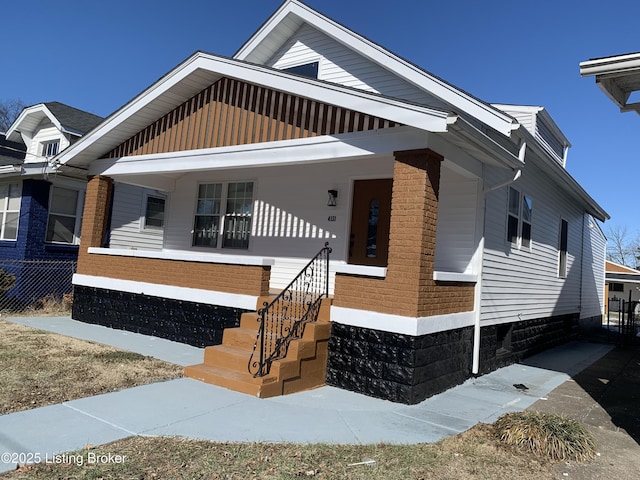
x: 192, y: 323
x: 408, y: 369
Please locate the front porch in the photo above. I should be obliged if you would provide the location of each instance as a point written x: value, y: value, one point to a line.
x: 423, y: 280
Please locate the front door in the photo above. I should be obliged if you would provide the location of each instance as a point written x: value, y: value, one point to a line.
x: 370, y: 218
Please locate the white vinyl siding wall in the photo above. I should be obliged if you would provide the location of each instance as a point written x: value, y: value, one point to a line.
x: 457, y: 217
x: 339, y: 64
x: 593, y: 269
x: 46, y: 132
x: 523, y: 284
x: 127, y: 217
x: 290, y: 213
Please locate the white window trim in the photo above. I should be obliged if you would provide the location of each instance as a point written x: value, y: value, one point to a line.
x: 143, y: 213
x: 521, y: 221
x: 45, y: 143
x: 223, y: 215
x: 4, y: 210
x: 566, y: 256
x: 78, y: 216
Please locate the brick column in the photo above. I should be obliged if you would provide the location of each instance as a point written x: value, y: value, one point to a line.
x: 414, y: 218
x: 409, y: 288
x: 95, y: 218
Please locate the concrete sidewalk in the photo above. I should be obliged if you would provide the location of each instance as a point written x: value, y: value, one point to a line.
x: 188, y: 408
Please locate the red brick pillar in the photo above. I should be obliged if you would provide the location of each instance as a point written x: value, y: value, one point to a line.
x: 95, y: 218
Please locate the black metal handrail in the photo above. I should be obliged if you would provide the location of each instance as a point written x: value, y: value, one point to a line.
x: 283, y: 320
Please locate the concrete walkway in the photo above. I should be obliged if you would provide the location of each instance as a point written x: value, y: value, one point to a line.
x: 188, y: 408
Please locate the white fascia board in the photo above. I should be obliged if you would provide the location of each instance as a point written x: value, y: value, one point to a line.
x: 411, y: 73
x: 40, y: 109
x: 129, y: 109
x: 564, y: 178
x: 482, y: 142
x: 196, y: 295
x: 398, y: 111
x: 413, y: 326
x: 315, y: 149
x: 614, y: 65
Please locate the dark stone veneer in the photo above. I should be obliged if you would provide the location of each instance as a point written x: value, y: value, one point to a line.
x: 408, y: 369
x: 196, y: 324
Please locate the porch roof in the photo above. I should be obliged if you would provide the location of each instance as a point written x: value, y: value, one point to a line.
x: 617, y: 76
x: 203, y: 69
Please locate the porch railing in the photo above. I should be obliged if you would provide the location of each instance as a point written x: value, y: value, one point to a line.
x: 283, y: 320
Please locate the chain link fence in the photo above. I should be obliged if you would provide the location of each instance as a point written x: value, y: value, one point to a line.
x: 38, y: 286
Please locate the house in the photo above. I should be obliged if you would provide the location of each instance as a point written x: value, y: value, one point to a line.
x: 618, y: 76
x: 459, y: 241
x: 40, y: 208
x: 622, y: 283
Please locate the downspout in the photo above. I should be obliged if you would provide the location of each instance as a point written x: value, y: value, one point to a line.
x: 475, y: 367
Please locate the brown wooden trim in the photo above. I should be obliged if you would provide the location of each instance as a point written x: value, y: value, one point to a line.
x: 231, y: 112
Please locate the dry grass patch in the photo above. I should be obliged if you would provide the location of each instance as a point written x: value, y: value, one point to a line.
x: 557, y: 437
x: 42, y: 368
x: 472, y: 455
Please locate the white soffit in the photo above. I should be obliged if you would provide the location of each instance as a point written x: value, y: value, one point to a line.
x: 277, y: 29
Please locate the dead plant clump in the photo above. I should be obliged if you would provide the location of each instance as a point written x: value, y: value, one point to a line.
x: 557, y: 437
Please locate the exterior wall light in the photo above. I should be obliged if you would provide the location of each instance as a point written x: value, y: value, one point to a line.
x: 333, y: 197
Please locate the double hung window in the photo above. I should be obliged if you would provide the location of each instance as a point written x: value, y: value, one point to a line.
x: 10, y: 196
x: 562, y: 248
x: 154, y: 212
x: 65, y: 210
x: 223, y: 215
x: 519, y: 218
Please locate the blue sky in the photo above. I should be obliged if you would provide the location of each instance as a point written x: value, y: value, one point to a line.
x: 98, y: 55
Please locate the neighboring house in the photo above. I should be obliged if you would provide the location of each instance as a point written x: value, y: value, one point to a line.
x: 622, y: 283
x: 460, y: 242
x: 40, y: 208
x: 618, y: 76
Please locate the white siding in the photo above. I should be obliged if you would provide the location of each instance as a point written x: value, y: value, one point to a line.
x: 457, y: 217
x: 290, y: 216
x: 45, y: 132
x: 593, y: 269
x: 523, y: 284
x: 339, y: 64
x: 126, y: 220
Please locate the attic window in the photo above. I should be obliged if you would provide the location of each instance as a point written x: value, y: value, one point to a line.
x: 50, y: 149
x: 306, y: 70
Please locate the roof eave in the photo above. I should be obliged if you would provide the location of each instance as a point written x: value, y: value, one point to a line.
x: 486, y: 113
x: 208, y: 68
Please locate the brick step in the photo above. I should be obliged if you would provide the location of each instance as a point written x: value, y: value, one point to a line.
x: 242, y: 382
x: 230, y: 357
x: 304, y: 366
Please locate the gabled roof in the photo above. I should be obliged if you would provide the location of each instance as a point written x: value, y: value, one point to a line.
x: 617, y: 76
x: 66, y: 119
x: 292, y: 14
x: 202, y: 69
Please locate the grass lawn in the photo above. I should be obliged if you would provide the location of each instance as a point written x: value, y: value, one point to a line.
x: 41, y: 368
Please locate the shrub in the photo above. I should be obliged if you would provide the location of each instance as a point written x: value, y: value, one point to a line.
x: 556, y: 436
